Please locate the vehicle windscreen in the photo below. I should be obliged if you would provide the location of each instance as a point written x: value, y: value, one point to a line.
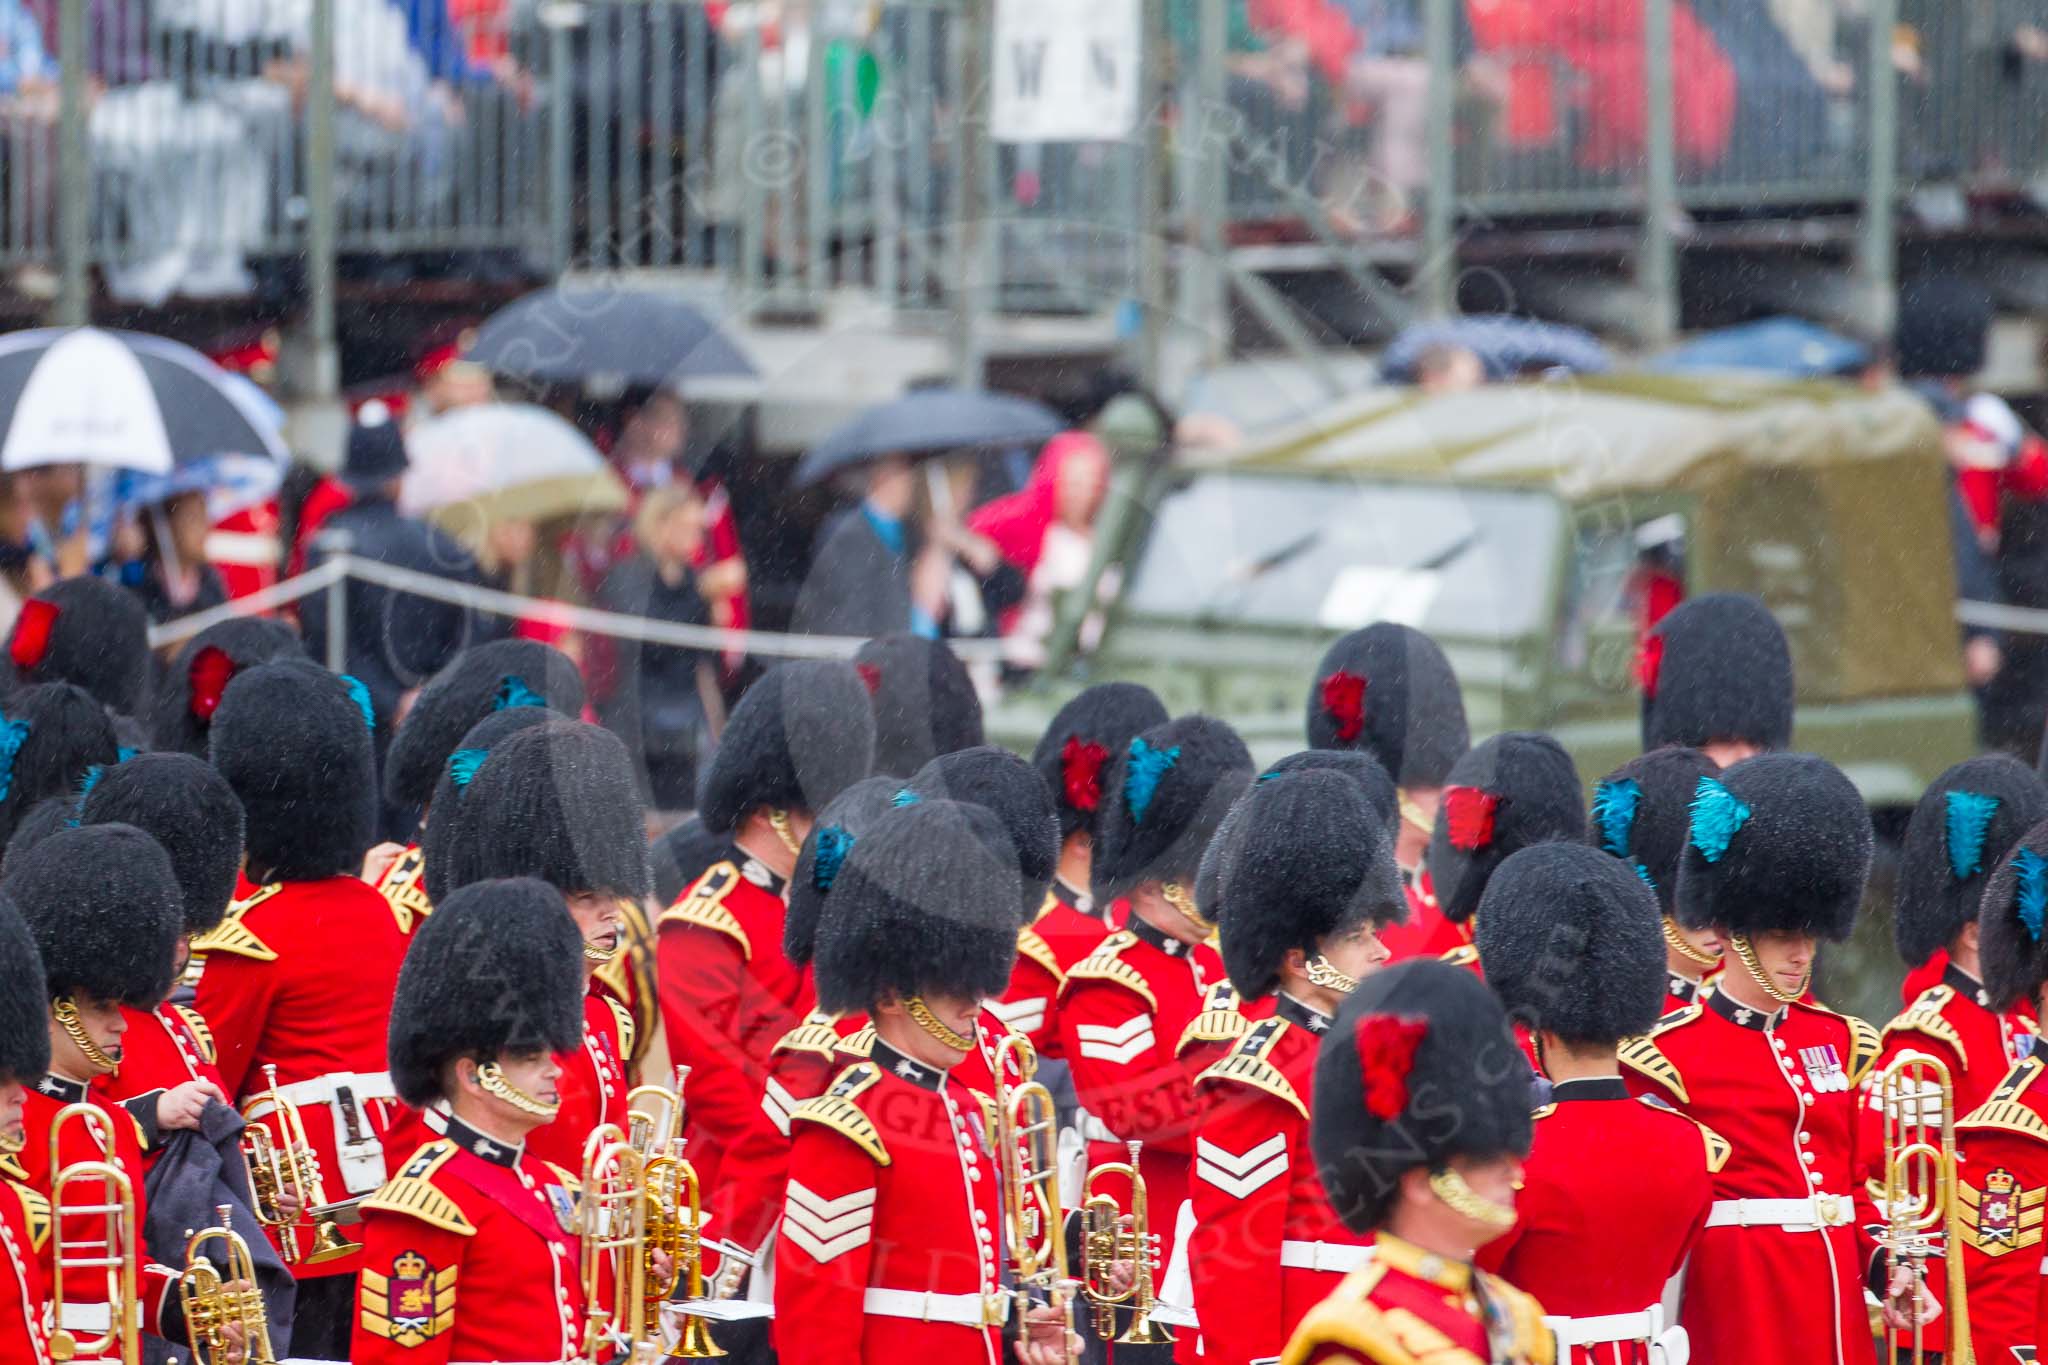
x: 1334, y: 555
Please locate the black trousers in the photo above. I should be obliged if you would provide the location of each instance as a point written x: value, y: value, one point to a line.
x: 324, y: 1318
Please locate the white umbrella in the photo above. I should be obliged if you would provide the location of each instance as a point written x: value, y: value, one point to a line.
x: 505, y: 460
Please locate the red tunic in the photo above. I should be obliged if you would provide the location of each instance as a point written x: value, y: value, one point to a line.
x: 892, y: 1189
x: 163, y: 1049
x: 469, y: 1253
x: 24, y: 1232
x: 1027, y: 1004
x: 300, y: 976
x: 1122, y: 1014
x: 2004, y: 1195
x: 1615, y: 1192
x: 728, y: 995
x: 1680, y: 990
x: 155, y: 1284
x: 1427, y: 933
x: 1408, y: 1306
x: 1261, y: 1216
x: 1950, y: 1022
x: 1781, y: 1088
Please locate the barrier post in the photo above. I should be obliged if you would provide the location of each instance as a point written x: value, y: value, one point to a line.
x: 327, y: 546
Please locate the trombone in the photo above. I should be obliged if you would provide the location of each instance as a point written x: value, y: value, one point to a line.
x: 612, y: 1228
x: 1027, y: 1154
x: 1105, y: 1240
x: 216, y: 1297
x: 1922, y: 1207
x: 675, y: 1224
x: 286, y: 1165
x: 113, y: 1253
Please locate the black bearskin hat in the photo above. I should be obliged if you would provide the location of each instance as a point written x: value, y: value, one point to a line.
x: 682, y: 855
x: 181, y: 712
x: 1358, y: 765
x: 1302, y: 856
x: 441, y: 833
x: 925, y: 704
x: 54, y: 734
x: 1162, y: 802
x: 191, y: 811
x: 1777, y: 842
x: 802, y: 734
x: 558, y: 802
x: 497, y: 968
x: 86, y: 631
x: 1418, y: 1069
x: 1959, y: 831
x: 2014, y: 923
x: 1641, y: 812
x: 926, y: 902
x: 1079, y: 748
x: 501, y: 675
x: 1389, y: 690
x: 43, y: 819
x: 293, y: 740
x: 103, y: 905
x: 1010, y: 787
x: 1571, y: 944
x: 1516, y: 789
x: 24, y: 1002
x: 840, y: 825
x: 1717, y: 668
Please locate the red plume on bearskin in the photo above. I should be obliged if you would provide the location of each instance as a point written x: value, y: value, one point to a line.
x: 1650, y: 662
x: 1469, y: 813
x: 1386, y: 1054
x: 209, y: 675
x: 32, y: 632
x: 1081, y: 763
x: 1344, y: 702
x: 870, y: 677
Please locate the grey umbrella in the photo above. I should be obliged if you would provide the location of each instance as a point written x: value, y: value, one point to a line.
x: 617, y: 336
x: 931, y: 422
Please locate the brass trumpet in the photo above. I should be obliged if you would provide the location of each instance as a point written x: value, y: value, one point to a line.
x: 1105, y: 1240
x: 114, y: 1252
x: 655, y: 1116
x: 675, y: 1224
x: 287, y: 1166
x: 1027, y: 1156
x: 1922, y: 1209
x: 217, y: 1296
x: 612, y: 1227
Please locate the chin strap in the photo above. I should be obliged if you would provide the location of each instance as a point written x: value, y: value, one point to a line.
x: 593, y: 953
x: 1413, y: 814
x: 11, y: 1143
x: 921, y: 1015
x: 1745, y: 953
x: 66, y: 1015
x: 778, y: 820
x: 1675, y: 938
x: 493, y: 1082
x: 1183, y: 900
x: 1321, y: 972
x: 1467, y: 1202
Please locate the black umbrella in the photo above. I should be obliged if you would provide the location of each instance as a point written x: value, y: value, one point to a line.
x: 931, y: 422
x: 121, y: 400
x: 620, y: 336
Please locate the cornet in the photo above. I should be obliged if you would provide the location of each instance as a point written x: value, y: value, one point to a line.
x: 675, y: 1224
x: 1105, y: 1241
x: 612, y: 1227
x: 287, y: 1166
x: 1027, y: 1154
x: 113, y: 1252
x: 217, y: 1296
x: 655, y: 1116
x: 1922, y: 1211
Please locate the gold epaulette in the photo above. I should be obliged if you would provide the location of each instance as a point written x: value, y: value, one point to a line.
x: 1866, y: 1044
x: 1643, y: 1056
x: 1350, y: 1321
x: 1247, y: 1064
x: 1046, y: 906
x: 233, y: 937
x: 835, y: 1109
x: 403, y: 887
x: 704, y: 906
x: 1106, y: 964
x: 201, y: 1031
x: 1464, y: 955
x: 2005, y: 1110
x: 1032, y: 944
x: 1219, y: 1022
x: 622, y: 1017
x: 1719, y: 1149
x: 1925, y: 1016
x: 35, y: 1215
x: 814, y: 1035
x: 11, y: 1167
x: 413, y: 1193
x: 859, y: 1043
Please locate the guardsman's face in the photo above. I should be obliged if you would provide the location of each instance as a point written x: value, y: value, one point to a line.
x: 537, y: 1073
x: 103, y: 1022
x: 12, y: 1092
x: 1357, y: 953
x: 1495, y: 1180
x: 1787, y: 959
x: 597, y: 918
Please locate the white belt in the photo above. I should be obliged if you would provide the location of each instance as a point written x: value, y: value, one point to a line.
x: 1332, y: 1256
x: 961, y: 1310
x: 362, y: 1156
x: 364, y: 1085
x: 1793, y: 1215
x: 1668, y: 1345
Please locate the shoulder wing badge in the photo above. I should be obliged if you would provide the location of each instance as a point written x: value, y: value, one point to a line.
x: 814, y: 1035
x: 403, y: 887
x: 201, y: 1031
x: 1926, y: 1017
x: 1106, y: 963
x: 704, y: 906
x: 232, y: 936
x: 835, y: 1109
x: 35, y: 1213
x: 1643, y: 1056
x: 1032, y: 944
x: 1219, y: 1022
x: 1247, y: 1064
x: 409, y: 1302
x: 412, y: 1192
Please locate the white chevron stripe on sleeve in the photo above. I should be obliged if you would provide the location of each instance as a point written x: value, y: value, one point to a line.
x: 1238, y: 1176
x: 1020, y: 1016
x: 778, y: 1104
x: 828, y: 1228
x: 1106, y: 1052
x: 1119, y: 1043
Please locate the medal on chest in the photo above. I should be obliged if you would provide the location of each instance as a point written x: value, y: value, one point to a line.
x: 564, y: 1205
x: 1824, y: 1068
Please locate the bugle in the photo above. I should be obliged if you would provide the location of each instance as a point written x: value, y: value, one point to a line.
x: 107, y: 1194
x: 1107, y: 1238
x: 612, y: 1231
x: 217, y: 1297
x: 284, y: 1165
x: 1026, y: 1140
x: 1922, y: 1215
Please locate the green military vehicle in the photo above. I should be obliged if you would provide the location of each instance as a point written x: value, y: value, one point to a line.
x: 1514, y: 525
